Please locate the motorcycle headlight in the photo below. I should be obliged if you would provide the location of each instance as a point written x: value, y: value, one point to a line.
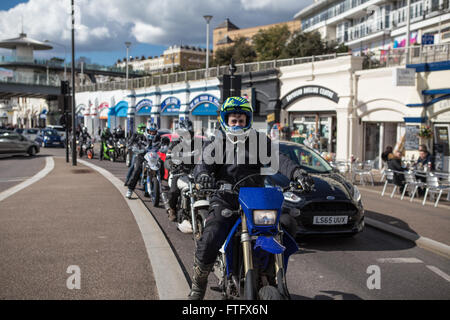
x: 356, y: 194
x: 264, y: 217
x: 292, y: 197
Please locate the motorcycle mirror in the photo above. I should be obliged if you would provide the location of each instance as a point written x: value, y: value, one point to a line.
x: 226, y: 213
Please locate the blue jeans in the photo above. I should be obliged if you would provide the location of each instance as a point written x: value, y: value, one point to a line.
x: 130, y: 170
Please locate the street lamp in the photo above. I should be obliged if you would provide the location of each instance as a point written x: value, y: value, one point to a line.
x: 127, y: 44
x: 65, y: 56
x: 208, y: 19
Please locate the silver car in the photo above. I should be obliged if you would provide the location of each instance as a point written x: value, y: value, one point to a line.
x: 13, y: 143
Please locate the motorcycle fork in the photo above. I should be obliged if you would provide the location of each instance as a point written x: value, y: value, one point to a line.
x: 193, y: 218
x: 246, y: 245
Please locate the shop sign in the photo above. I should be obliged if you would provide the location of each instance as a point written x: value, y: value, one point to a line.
x: 309, y: 91
x: 202, y: 99
x: 405, y: 77
x: 271, y: 117
x: 143, y: 104
x: 170, y: 106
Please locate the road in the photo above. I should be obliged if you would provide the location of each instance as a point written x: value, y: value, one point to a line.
x: 372, y: 265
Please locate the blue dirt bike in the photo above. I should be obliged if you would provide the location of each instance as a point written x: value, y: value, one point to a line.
x: 253, y: 261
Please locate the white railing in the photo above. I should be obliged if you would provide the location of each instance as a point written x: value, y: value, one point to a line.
x: 200, y: 74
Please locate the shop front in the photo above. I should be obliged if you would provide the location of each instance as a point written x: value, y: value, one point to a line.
x: 310, y: 112
x: 170, y: 111
x: 204, y: 110
x: 143, y: 111
x: 103, y: 110
x: 117, y: 115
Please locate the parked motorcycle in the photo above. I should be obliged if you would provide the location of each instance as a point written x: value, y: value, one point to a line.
x: 253, y: 261
x: 109, y: 150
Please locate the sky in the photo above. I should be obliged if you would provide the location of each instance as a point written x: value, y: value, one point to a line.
x: 103, y: 26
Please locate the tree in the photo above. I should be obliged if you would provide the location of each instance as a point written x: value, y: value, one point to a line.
x: 271, y: 43
x: 240, y: 51
x: 305, y: 44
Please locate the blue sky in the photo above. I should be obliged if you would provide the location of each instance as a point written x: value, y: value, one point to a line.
x: 103, y: 26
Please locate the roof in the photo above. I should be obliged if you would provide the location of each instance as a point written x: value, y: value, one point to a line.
x: 22, y: 40
x: 228, y: 25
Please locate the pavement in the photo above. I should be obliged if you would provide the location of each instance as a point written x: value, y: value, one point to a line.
x: 70, y: 221
x: 67, y: 216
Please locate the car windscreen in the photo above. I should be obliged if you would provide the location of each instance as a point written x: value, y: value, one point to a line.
x: 307, y: 158
x: 9, y: 135
x: 32, y: 131
x: 50, y: 133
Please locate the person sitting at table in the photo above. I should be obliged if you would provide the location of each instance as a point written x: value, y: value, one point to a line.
x: 425, y: 158
x: 387, y: 154
x: 395, y: 164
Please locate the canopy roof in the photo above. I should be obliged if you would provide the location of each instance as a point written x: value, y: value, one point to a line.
x: 23, y: 40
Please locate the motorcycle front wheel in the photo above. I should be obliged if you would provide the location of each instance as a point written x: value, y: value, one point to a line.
x: 90, y: 154
x: 155, y: 193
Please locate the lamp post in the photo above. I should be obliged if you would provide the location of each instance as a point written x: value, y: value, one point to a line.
x: 208, y: 19
x: 408, y: 11
x: 65, y: 56
x: 127, y: 44
x: 74, y: 137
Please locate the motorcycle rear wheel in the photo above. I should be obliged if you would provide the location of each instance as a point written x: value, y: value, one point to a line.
x: 90, y: 154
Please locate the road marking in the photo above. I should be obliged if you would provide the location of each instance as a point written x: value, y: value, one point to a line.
x: 49, y: 165
x: 399, y: 260
x: 439, y: 272
x: 14, y: 179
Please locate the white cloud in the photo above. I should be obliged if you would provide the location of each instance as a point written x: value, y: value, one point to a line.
x: 106, y: 24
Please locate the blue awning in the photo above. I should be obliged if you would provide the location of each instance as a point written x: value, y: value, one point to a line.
x: 170, y: 107
x: 205, y: 109
x: 435, y: 91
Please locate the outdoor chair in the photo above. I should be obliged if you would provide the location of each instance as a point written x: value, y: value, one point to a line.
x: 433, y: 186
x: 363, y: 169
x: 342, y: 166
x: 389, y: 180
x: 411, y: 182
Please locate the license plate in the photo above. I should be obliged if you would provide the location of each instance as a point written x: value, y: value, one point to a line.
x: 330, y: 220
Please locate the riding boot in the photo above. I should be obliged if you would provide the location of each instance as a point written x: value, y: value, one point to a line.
x: 199, y: 280
x: 172, y: 215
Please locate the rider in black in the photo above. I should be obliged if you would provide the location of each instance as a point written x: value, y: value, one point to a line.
x: 236, y: 115
x: 84, y: 135
x: 186, y: 139
x: 135, y: 140
x: 150, y: 139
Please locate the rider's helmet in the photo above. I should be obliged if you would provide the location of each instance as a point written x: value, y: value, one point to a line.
x: 85, y: 130
x: 106, y: 130
x: 141, y: 128
x: 186, y: 125
x: 151, y: 130
x: 237, y: 105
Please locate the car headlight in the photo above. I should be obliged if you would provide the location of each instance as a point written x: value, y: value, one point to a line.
x: 264, y: 217
x: 46, y: 138
x: 356, y: 194
x: 292, y: 197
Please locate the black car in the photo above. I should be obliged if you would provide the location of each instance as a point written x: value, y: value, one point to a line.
x: 333, y: 207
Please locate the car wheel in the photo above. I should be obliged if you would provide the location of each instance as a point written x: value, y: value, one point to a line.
x: 32, y: 151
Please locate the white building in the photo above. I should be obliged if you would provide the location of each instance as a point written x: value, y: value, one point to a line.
x: 374, y: 25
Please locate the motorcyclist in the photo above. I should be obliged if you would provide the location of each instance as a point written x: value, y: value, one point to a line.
x: 84, y: 136
x: 136, y: 139
x: 106, y: 135
x: 151, y: 140
x: 236, y: 118
x: 120, y: 133
x: 186, y: 138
